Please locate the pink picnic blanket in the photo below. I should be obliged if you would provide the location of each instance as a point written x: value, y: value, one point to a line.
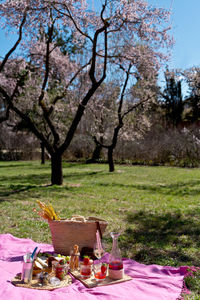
x: 150, y: 282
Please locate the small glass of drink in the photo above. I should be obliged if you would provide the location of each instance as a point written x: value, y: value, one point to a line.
x: 100, y: 271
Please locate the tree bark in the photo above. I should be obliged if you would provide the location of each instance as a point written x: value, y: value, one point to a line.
x: 110, y: 159
x: 42, y: 153
x: 56, y: 169
x: 96, y: 153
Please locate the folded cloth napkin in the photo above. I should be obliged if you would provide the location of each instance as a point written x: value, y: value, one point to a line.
x: 150, y: 282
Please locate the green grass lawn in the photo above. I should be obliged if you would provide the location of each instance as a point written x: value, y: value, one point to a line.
x: 156, y: 208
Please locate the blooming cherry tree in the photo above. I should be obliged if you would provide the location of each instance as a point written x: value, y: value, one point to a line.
x: 127, y: 102
x: 48, y: 92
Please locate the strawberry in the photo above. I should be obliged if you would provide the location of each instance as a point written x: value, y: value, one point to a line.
x: 86, y: 260
x: 62, y: 262
x: 103, y: 268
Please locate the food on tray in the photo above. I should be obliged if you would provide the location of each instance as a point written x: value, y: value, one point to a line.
x: 74, y: 259
x: 40, y: 265
x: 37, y: 265
x: 44, y: 254
x: 66, y: 258
x: 41, y: 262
x: 51, y: 260
x: 45, y: 262
x: 44, y: 278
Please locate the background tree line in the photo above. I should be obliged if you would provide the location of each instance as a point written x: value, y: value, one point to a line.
x: 166, y: 131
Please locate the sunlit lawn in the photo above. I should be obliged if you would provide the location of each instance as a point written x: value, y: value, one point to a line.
x: 155, y: 208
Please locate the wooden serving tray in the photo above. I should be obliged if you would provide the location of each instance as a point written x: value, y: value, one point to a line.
x: 34, y: 284
x: 91, y: 282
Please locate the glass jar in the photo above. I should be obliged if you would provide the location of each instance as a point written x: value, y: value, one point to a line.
x: 61, y: 271
x: 86, y: 270
x: 116, y: 268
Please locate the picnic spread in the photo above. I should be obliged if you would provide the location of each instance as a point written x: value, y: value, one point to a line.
x: 76, y: 266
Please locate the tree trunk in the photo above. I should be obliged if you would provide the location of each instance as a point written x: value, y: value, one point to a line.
x: 56, y: 169
x: 110, y: 160
x: 96, y: 153
x: 42, y: 153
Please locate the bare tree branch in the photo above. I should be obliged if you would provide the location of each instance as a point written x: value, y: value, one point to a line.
x: 69, y: 15
x: 61, y: 96
x: 120, y: 118
x: 17, y: 42
x: 94, y: 54
x: 134, y: 106
x: 41, y: 97
x: 25, y: 117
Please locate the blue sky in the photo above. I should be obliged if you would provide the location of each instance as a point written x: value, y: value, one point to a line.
x: 186, y: 25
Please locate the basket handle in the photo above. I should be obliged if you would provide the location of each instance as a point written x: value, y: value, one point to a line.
x: 99, y: 229
x: 78, y: 218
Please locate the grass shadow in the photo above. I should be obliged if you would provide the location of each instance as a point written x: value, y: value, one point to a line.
x: 18, y: 165
x: 162, y: 238
x: 16, y: 189
x: 176, y: 189
x: 19, y: 184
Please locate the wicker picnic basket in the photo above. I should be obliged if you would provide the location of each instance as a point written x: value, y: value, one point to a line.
x: 77, y: 230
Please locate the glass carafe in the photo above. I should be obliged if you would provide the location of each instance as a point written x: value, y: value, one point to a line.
x: 116, y: 269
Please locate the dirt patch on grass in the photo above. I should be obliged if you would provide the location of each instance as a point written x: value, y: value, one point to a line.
x: 75, y: 184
